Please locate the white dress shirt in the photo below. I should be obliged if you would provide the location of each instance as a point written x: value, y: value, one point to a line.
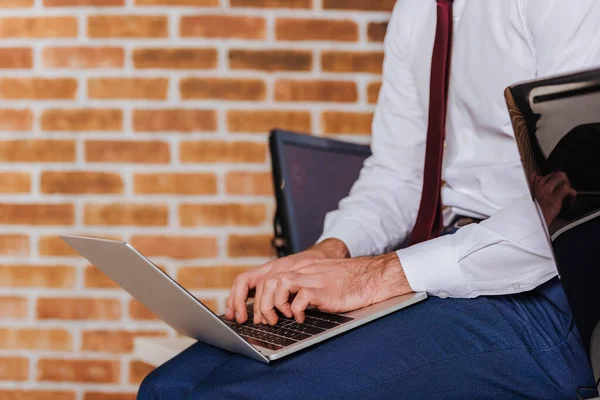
x: 496, y: 43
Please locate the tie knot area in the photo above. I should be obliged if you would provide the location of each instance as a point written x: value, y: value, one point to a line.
x: 445, y: 1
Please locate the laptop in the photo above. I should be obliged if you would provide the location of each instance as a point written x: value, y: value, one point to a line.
x: 556, y: 121
x: 307, y: 186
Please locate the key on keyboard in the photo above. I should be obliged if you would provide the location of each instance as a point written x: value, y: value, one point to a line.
x: 287, y: 331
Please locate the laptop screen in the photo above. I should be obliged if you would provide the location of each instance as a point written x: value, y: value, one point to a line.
x: 557, y: 129
x: 318, y: 178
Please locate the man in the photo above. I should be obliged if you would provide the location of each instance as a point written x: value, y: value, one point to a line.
x: 506, y: 331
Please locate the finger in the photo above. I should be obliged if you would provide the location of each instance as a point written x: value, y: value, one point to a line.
x: 229, y: 313
x: 281, y: 297
x: 557, y: 179
x: 266, y: 300
x: 241, y: 286
x: 258, y: 319
x: 544, y: 179
x: 304, y: 298
x: 563, y: 192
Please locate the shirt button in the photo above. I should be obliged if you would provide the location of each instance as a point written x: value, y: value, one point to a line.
x: 464, y: 140
x: 445, y: 144
x: 516, y: 286
x: 443, y: 295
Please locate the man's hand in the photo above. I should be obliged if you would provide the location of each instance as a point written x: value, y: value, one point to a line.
x: 551, y: 191
x: 332, y: 285
x: 244, y: 283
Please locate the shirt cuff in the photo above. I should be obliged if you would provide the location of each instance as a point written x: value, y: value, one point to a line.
x: 432, y: 267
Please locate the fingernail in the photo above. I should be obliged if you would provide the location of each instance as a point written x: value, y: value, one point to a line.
x: 228, y: 312
x: 237, y: 316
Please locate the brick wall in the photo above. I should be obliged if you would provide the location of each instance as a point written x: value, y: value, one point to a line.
x: 146, y: 120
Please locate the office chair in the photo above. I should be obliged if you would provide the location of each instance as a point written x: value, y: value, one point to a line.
x: 311, y: 175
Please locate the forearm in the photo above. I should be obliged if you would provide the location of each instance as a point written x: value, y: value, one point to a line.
x: 386, y: 273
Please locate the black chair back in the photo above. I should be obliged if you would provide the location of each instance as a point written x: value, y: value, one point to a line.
x: 311, y: 175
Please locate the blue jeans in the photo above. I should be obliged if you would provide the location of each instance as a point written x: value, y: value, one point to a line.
x: 521, y: 346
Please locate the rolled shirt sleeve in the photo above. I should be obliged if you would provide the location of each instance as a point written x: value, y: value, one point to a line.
x: 507, y: 253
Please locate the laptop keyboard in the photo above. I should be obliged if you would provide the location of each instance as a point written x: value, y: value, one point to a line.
x: 287, y: 331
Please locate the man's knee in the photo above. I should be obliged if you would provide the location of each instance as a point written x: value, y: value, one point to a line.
x: 159, y: 385
x: 146, y: 391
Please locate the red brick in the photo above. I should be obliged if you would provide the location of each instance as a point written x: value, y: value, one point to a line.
x: 37, y: 88
x: 31, y: 151
x: 128, y: 26
x: 185, y: 58
x: 14, y: 245
x: 16, y: 120
x: 80, y: 182
x: 76, y: 308
x: 15, y: 182
x: 82, y: 120
x: 35, y: 339
x: 153, y: 152
x: 224, y: 152
x: 222, y: 89
x: 316, y: 91
x: 83, y: 57
x: 54, y: 246
x: 187, y: 3
x: 95, y: 278
x: 108, y: 396
x: 126, y: 214
x: 16, y: 58
x: 138, y: 311
x: 16, y: 4
x: 258, y: 121
x: 105, y: 341
x: 373, y: 92
x: 249, y: 183
x: 128, y: 88
x: 271, y: 3
x: 36, y: 395
x: 138, y: 371
x: 82, y: 371
x: 14, y: 368
x: 222, y: 26
x: 344, y: 61
x: 38, y: 27
x: 45, y: 276
x: 13, y: 307
x: 298, y: 29
x: 83, y: 3
x: 37, y: 214
x: 376, y: 31
x: 250, y: 246
x: 222, y: 214
x: 360, y: 5
x: 346, y: 122
x: 175, y: 183
x: 193, y: 278
x: 177, y: 247
x: 175, y: 120
x: 271, y: 60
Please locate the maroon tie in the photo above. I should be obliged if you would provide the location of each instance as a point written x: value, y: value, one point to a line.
x: 429, y: 221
